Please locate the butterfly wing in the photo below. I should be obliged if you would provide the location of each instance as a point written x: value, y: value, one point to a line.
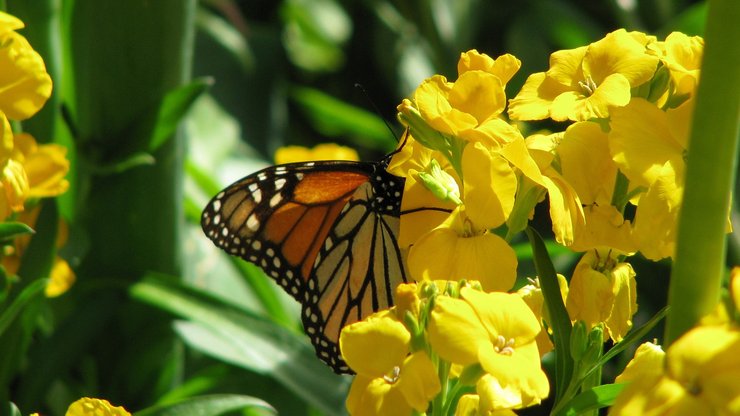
x: 325, y: 231
x: 359, y: 266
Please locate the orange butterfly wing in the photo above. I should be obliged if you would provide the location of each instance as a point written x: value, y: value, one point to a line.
x: 325, y: 231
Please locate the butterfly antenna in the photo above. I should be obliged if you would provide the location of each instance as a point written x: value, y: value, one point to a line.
x: 375, y: 107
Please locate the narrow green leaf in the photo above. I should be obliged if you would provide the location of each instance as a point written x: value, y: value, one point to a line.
x: 207, y: 405
x: 559, y: 319
x: 592, y: 399
x: 247, y: 341
x: 10, y: 230
x: 27, y: 294
x: 335, y: 118
x: 173, y: 108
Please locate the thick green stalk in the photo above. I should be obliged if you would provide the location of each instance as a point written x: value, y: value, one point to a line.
x: 712, y: 159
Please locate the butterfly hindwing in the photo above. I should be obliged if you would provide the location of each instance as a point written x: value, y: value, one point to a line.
x: 325, y: 231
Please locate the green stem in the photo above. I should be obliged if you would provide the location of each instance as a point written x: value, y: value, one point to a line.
x: 712, y: 159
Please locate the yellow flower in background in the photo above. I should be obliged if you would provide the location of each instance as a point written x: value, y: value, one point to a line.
x: 61, y: 277
x: 698, y: 374
x: 394, y: 382
x: 95, y: 407
x: 24, y: 83
x: 603, y: 291
x: 32, y: 171
x: 583, y: 83
x: 498, y: 331
x: 326, y: 151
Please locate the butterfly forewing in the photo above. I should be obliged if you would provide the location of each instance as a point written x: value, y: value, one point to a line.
x: 325, y: 231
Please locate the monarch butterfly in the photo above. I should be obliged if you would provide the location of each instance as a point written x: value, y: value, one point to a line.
x: 326, y: 231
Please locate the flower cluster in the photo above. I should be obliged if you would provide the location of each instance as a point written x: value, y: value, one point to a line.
x: 28, y: 170
x: 698, y: 373
x: 445, y: 342
x: 614, y: 181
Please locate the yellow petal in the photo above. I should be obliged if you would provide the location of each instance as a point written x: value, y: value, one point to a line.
x: 455, y: 331
x: 479, y: 94
x: 504, y: 314
x: 647, y: 362
x: 9, y: 23
x: 707, y: 362
x: 565, y: 66
x: 657, y: 215
x: 418, y: 381
x: 490, y: 186
x: 45, y: 165
x: 641, y: 142
x: 443, y: 254
x: 27, y: 86
x: 504, y: 67
x: 61, y: 279
x: 586, y: 163
x: 95, y: 407
x: 15, y: 183
x: 361, y: 341
x: 534, y: 99
x: 619, y: 53
x: 376, y: 397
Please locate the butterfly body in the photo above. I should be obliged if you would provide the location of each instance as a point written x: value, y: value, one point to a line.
x: 325, y: 231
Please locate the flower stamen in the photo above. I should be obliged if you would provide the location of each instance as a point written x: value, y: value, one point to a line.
x: 504, y: 346
x: 393, y: 377
x: 588, y: 85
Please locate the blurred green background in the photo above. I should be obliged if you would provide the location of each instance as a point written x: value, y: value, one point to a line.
x: 162, y: 103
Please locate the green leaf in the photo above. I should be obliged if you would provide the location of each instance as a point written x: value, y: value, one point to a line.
x: 559, y: 319
x: 335, y: 118
x: 172, y: 109
x: 250, y: 342
x: 592, y: 399
x: 207, y: 405
x: 27, y: 294
x: 10, y: 230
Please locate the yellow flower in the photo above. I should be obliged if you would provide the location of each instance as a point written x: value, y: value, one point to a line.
x: 391, y: 383
x: 467, y: 109
x: 504, y: 67
x: 61, y: 277
x: 697, y: 375
x: 498, y: 331
x: 46, y: 166
x: 24, y: 83
x: 32, y: 171
x: 583, y: 83
x: 587, y: 166
x: 95, y: 407
x: 532, y: 295
x: 326, y: 151
x: 649, y: 146
x: 681, y: 54
x: 603, y: 291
